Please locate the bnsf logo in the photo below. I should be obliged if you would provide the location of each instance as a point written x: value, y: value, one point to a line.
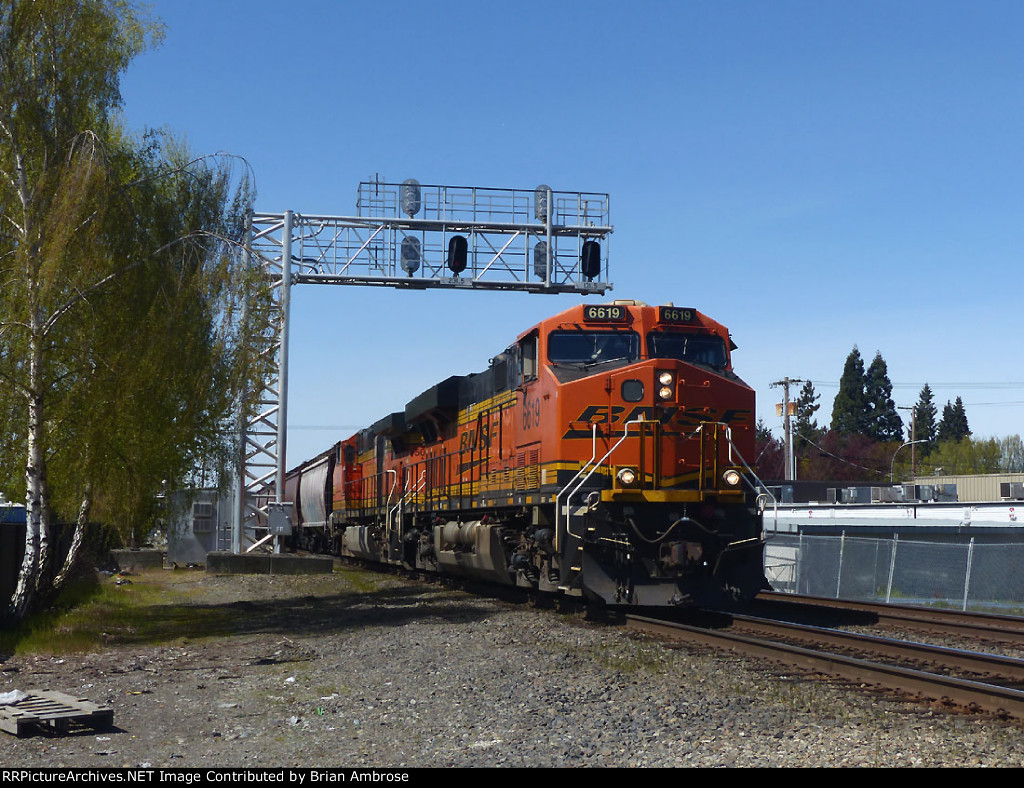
x: 666, y: 416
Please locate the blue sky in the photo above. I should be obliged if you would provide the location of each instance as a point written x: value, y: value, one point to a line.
x: 813, y: 174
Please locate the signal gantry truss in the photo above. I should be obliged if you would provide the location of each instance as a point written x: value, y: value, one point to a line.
x: 412, y: 236
x: 408, y: 235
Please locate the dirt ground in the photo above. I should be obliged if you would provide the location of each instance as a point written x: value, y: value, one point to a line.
x: 358, y: 670
x: 210, y: 681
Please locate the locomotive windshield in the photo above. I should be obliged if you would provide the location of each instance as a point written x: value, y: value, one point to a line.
x: 593, y: 347
x: 706, y: 349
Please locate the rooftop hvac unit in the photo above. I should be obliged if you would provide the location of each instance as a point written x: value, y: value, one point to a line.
x: 945, y: 492
x: 833, y: 495
x: 857, y: 495
x: 886, y: 494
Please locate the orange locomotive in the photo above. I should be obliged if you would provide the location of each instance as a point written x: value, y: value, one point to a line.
x: 601, y: 455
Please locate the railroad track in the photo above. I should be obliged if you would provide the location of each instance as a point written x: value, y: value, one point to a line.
x: 771, y: 639
x: 987, y: 627
x: 968, y: 680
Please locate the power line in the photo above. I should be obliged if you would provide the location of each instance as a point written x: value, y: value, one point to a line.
x: 324, y: 427
x: 957, y: 386
x: 933, y: 386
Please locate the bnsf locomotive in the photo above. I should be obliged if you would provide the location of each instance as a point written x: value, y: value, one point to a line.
x: 601, y: 455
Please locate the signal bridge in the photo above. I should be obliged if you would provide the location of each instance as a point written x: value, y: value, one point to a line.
x: 413, y: 236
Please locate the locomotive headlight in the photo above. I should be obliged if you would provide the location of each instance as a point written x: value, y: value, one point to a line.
x: 626, y: 477
x: 666, y: 384
x: 731, y: 478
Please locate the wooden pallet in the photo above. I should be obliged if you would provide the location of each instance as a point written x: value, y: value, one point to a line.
x: 54, y: 711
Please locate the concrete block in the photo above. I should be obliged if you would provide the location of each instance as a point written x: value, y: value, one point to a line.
x: 225, y: 563
x: 138, y: 559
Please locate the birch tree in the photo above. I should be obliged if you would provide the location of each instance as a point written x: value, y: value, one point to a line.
x: 123, y: 345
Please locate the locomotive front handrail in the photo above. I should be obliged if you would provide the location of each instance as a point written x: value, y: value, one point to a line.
x: 765, y: 492
x: 598, y: 464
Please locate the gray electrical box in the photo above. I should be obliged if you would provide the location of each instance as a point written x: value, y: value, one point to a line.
x: 279, y: 518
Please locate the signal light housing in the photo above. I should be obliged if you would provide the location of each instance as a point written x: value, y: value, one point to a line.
x: 590, y: 260
x: 458, y: 248
x: 410, y: 254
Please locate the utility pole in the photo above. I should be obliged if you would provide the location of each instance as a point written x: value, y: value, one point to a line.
x: 786, y: 413
x: 913, y: 420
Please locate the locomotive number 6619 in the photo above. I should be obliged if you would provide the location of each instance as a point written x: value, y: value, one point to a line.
x: 514, y: 476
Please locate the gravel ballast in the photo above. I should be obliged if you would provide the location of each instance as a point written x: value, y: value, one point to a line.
x: 356, y: 670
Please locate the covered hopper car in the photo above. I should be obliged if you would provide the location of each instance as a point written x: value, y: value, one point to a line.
x: 602, y: 455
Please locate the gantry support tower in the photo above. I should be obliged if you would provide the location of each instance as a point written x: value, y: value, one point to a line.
x: 408, y: 235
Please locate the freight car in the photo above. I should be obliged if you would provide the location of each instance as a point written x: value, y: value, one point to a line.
x: 601, y: 455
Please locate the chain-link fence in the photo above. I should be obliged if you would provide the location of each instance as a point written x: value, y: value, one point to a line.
x: 968, y: 575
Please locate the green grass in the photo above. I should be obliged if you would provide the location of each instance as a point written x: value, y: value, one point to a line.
x: 91, y: 614
x: 170, y: 607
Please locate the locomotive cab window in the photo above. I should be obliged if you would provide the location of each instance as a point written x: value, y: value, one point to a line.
x: 592, y: 347
x: 706, y: 349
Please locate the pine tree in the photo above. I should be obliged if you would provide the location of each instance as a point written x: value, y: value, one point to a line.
x: 953, y: 426
x: 770, y: 458
x: 849, y: 409
x: 884, y: 423
x: 963, y: 430
x: 925, y: 427
x: 944, y: 432
x: 806, y: 406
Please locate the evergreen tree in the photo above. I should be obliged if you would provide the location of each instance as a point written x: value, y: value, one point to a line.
x: 962, y: 429
x: 884, y: 423
x: 944, y: 430
x: 849, y: 409
x: 806, y: 406
x: 770, y: 457
x: 925, y: 427
x: 953, y: 426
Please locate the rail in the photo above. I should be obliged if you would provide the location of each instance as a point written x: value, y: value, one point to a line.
x: 965, y: 693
